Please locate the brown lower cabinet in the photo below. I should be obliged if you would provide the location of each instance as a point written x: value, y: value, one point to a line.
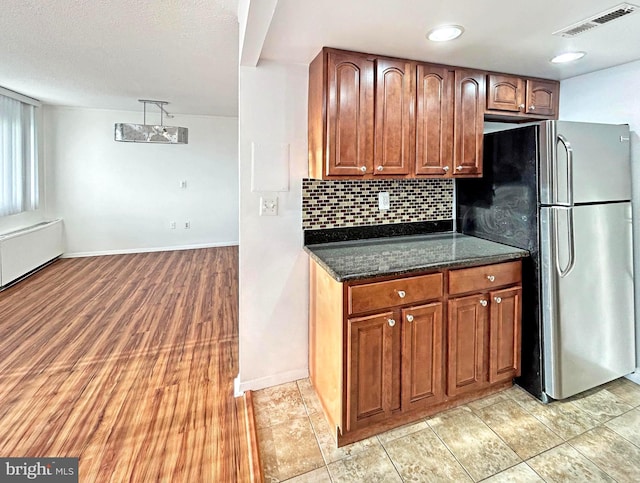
x: 384, y: 352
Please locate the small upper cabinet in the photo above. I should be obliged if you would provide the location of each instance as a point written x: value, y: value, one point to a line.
x: 505, y: 93
x: 543, y: 97
x: 514, y: 96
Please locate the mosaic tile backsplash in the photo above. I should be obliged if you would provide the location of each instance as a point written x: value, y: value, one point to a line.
x: 337, y: 204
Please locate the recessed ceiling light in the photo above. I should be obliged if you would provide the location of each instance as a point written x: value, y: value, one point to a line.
x: 444, y: 33
x: 568, y: 57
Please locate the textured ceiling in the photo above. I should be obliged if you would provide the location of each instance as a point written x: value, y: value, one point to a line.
x: 109, y: 53
x: 502, y: 35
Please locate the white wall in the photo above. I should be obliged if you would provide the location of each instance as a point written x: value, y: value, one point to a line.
x: 611, y: 96
x: 119, y: 197
x: 273, y: 266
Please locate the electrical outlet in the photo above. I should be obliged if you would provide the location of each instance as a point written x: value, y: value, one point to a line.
x: 183, y: 184
x: 172, y: 225
x: 268, y: 205
x: 187, y: 225
x: 383, y: 200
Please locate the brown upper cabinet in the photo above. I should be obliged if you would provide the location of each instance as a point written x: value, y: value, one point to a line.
x: 372, y: 116
x: 517, y: 96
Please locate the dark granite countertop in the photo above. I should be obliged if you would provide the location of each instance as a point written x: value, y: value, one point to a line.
x: 353, y: 260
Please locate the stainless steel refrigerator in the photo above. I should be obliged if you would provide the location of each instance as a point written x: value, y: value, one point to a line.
x: 562, y: 190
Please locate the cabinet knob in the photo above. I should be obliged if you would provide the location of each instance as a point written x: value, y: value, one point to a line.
x: 483, y: 303
x: 391, y: 322
x: 491, y: 278
x: 445, y: 168
x: 363, y: 169
x: 409, y: 318
x: 497, y: 299
x: 521, y: 106
x: 459, y: 168
x: 402, y: 294
x: 380, y: 168
x: 532, y: 108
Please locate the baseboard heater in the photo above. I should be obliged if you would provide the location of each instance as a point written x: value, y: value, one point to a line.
x: 25, y: 250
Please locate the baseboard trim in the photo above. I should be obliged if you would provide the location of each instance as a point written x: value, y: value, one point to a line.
x: 128, y: 251
x: 274, y: 380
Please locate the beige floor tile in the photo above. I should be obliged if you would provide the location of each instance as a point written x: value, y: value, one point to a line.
x: 309, y: 396
x: 278, y: 404
x: 321, y: 475
x: 521, y: 473
x: 565, y: 464
x: 611, y: 452
x: 564, y: 418
x: 487, y: 401
x: 402, y: 431
x: 602, y: 405
x: 327, y: 442
x: 288, y: 449
x: 627, y: 426
x: 371, y: 466
x: 422, y: 457
x: 526, y: 435
x: 523, y: 398
x: 626, y: 390
x: 480, y: 451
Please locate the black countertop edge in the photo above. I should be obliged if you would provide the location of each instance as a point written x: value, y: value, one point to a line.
x: 470, y: 262
x: 330, y: 235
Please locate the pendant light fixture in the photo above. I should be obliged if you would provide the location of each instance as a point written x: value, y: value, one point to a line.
x: 150, y: 133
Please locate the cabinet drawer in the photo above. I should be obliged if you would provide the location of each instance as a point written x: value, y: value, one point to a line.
x: 486, y: 277
x: 378, y: 295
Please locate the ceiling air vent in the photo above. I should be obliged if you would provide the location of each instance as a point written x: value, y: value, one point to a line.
x: 597, y: 20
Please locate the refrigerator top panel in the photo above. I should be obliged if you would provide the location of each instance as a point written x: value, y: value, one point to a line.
x: 584, y: 163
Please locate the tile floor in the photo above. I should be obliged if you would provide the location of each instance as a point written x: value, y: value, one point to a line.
x: 505, y: 437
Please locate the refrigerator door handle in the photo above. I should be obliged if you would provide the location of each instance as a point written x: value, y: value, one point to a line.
x: 569, y: 150
x: 563, y: 272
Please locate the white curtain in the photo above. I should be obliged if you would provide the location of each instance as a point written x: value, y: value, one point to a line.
x: 18, y: 157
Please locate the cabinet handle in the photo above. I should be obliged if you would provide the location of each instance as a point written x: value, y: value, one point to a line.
x: 483, y: 303
x: 402, y: 294
x: 521, y: 106
x: 445, y: 168
x: 409, y: 318
x: 491, y: 278
x: 459, y: 168
x: 532, y: 108
x: 497, y: 299
x: 363, y: 169
x: 391, y: 322
x: 380, y: 168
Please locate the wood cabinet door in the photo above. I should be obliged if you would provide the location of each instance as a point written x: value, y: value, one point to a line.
x: 504, y: 334
x: 466, y: 343
x: 434, y: 121
x: 468, y: 122
x: 349, y: 140
x: 394, y: 117
x: 369, y: 368
x: 543, y: 97
x: 422, y: 352
x: 505, y: 93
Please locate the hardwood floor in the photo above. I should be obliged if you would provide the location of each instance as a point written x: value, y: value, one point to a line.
x: 126, y: 362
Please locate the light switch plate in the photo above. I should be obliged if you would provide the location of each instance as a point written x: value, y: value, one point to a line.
x: 268, y: 206
x: 383, y: 200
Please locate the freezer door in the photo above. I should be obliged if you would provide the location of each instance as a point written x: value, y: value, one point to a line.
x: 584, y: 163
x: 587, y: 296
